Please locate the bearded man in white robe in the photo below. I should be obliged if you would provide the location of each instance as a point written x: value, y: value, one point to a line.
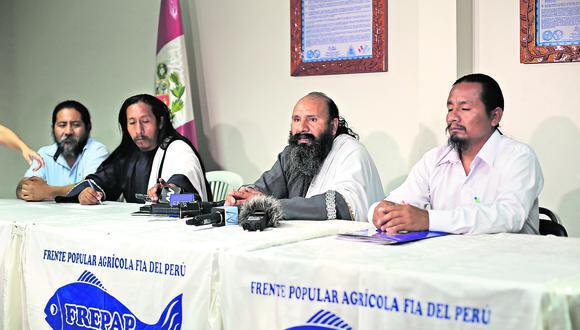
x: 323, y: 173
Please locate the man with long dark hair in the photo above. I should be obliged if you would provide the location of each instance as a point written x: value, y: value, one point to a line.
x: 481, y: 182
x: 72, y: 156
x: 151, y: 154
x: 323, y: 173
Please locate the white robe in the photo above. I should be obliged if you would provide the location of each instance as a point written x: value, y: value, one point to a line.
x: 179, y: 159
x: 349, y: 170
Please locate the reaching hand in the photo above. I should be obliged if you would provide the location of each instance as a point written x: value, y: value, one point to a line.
x: 11, y: 140
x: 30, y: 156
x: 154, y: 191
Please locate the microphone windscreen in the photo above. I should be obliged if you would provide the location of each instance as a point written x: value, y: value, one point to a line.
x: 268, y: 204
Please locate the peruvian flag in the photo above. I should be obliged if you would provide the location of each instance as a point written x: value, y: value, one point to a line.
x: 172, y: 75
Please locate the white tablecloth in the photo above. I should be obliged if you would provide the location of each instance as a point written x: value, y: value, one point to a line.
x: 151, y: 269
x: 504, y: 281
x: 141, y: 263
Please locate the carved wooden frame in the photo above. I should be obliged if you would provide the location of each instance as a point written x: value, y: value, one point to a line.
x: 378, y: 63
x: 529, y: 51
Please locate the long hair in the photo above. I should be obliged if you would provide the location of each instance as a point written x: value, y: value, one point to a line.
x: 161, y: 113
x: 333, y: 113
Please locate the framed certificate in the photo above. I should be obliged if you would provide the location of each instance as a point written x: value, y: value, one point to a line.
x: 337, y: 37
x: 549, y: 31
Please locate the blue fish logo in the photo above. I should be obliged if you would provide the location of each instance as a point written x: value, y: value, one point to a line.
x: 323, y: 320
x: 85, y: 304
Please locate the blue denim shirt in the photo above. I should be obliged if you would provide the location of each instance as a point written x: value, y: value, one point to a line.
x: 59, y: 173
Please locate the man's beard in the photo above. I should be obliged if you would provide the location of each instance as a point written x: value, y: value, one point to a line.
x: 457, y: 143
x: 306, y: 159
x: 71, y: 146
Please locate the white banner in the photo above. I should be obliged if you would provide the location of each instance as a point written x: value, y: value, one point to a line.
x: 455, y: 282
x: 79, y: 279
x: 138, y: 271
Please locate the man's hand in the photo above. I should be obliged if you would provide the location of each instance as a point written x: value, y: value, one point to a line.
x: 393, y: 218
x: 30, y: 156
x: 154, y: 191
x: 33, y: 189
x: 240, y: 196
x: 89, y: 196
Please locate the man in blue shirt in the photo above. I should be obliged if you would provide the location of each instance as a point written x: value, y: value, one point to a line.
x: 72, y: 157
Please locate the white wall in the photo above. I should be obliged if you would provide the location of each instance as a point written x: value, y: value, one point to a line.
x: 100, y: 52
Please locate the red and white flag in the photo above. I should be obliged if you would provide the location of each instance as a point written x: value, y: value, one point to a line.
x: 172, y: 75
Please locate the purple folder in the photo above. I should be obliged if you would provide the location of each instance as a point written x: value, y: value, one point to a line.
x: 380, y: 237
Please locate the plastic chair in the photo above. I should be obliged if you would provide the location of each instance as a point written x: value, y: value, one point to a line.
x: 552, y: 225
x: 222, y: 182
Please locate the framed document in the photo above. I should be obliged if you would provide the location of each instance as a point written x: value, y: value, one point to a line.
x: 336, y: 36
x: 549, y: 31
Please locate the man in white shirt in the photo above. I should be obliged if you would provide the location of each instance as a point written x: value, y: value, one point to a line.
x: 481, y: 182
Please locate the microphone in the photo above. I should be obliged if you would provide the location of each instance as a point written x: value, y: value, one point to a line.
x: 58, y: 152
x: 260, y: 212
x: 217, y: 217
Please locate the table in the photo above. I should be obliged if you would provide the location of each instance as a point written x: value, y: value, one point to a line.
x: 502, y: 281
x: 150, y: 268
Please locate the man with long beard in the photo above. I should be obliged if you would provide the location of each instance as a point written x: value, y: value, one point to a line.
x: 323, y: 173
x: 71, y: 157
x: 481, y: 182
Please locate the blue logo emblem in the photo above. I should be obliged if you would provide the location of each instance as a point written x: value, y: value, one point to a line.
x: 547, y: 35
x: 323, y: 320
x: 85, y: 304
x: 558, y: 34
x: 351, y: 51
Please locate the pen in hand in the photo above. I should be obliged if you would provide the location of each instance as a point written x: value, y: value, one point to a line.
x: 93, y: 187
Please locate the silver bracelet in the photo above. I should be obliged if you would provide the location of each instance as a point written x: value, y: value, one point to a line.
x: 331, y: 204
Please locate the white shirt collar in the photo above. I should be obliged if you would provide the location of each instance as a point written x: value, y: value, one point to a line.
x: 487, y: 153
